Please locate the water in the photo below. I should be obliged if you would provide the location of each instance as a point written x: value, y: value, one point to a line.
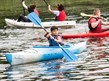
x: 93, y: 64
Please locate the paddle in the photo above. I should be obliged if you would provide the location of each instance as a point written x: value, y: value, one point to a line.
x: 23, y: 9
x: 67, y: 53
x: 83, y: 14
x: 45, y: 2
x: 87, y: 15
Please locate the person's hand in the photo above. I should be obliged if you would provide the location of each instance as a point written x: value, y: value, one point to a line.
x: 46, y: 34
x: 101, y: 18
x: 49, y: 6
x: 55, y: 40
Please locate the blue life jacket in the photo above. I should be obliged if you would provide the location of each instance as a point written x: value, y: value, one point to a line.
x: 52, y: 42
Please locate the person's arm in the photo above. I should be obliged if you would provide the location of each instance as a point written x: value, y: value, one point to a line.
x: 94, y: 23
x: 47, y: 35
x: 58, y: 39
x: 105, y: 23
x: 55, y: 12
x: 24, y: 5
x: 49, y: 9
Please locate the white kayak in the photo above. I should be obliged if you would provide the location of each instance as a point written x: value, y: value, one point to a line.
x: 43, y: 53
x: 14, y: 23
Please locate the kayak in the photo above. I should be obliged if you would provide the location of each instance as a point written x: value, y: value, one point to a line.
x: 14, y: 23
x: 85, y: 35
x: 42, y: 53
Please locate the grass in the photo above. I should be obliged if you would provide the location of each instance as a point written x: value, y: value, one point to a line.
x: 12, y: 8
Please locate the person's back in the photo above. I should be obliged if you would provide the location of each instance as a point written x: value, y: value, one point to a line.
x: 36, y: 12
x: 59, y: 13
x: 62, y: 16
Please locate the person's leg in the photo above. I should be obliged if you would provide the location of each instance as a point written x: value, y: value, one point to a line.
x: 23, y: 18
x: 20, y: 18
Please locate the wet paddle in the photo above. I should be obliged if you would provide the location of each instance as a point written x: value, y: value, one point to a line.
x: 67, y: 53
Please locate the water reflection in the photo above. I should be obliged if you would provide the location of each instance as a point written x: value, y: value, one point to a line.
x: 36, y: 71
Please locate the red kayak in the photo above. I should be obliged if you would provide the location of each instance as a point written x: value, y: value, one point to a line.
x: 85, y: 35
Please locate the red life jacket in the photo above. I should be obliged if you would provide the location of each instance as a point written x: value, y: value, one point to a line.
x: 62, y: 16
x: 97, y: 29
x: 36, y: 12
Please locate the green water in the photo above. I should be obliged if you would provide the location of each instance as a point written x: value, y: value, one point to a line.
x: 12, y: 8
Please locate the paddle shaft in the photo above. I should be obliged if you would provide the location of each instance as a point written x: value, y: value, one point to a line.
x: 83, y: 14
x: 42, y: 27
x: 23, y: 9
x: 45, y: 2
x: 87, y: 15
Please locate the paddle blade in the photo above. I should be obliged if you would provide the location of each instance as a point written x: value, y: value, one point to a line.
x: 69, y: 56
x: 34, y: 18
x: 83, y: 14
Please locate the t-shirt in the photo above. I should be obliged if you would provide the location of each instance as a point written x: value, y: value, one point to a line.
x: 56, y: 12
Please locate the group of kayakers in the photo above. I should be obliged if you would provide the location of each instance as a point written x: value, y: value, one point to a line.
x: 59, y: 12
x: 60, y: 15
x: 95, y: 22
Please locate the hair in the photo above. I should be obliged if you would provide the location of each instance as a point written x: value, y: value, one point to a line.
x: 53, y: 28
x: 96, y: 10
x: 60, y: 7
x: 31, y: 8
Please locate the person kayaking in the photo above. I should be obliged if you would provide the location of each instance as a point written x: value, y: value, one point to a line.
x: 95, y: 22
x: 59, y: 13
x: 54, y: 38
x: 31, y: 8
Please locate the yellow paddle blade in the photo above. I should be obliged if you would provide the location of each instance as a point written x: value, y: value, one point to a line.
x: 83, y: 14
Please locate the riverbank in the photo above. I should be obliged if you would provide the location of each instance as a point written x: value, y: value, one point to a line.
x: 12, y: 8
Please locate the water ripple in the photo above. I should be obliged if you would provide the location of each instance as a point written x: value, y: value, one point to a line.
x: 93, y: 63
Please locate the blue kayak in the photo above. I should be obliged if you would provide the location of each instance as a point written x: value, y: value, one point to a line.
x: 43, y: 53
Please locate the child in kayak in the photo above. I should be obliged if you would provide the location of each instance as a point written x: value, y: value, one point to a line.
x: 54, y: 38
x: 31, y: 8
x: 59, y: 13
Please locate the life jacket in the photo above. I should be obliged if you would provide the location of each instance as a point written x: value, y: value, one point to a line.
x: 97, y: 28
x: 36, y: 12
x: 52, y: 42
x: 62, y: 16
